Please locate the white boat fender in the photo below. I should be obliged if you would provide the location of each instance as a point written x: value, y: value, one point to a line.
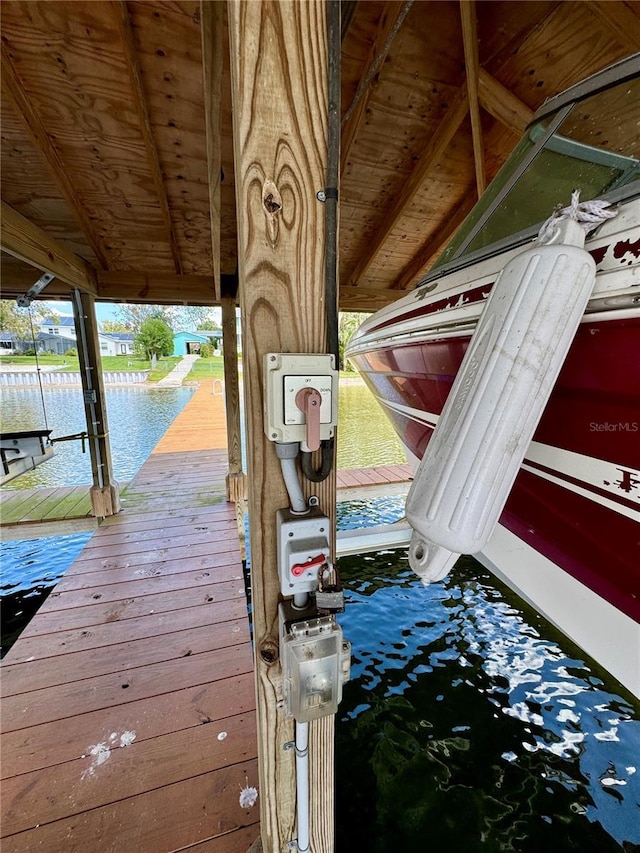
x: 499, y: 394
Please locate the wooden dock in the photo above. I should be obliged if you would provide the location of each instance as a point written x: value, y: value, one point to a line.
x: 29, y: 513
x: 381, y: 475
x: 128, y: 719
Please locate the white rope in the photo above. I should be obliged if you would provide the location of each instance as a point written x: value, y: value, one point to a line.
x: 588, y: 214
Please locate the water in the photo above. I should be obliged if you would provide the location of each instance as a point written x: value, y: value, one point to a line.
x: 30, y: 570
x: 365, y: 436
x: 138, y: 418
x: 470, y: 723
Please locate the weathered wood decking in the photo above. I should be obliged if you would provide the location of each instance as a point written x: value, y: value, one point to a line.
x: 128, y: 702
x: 31, y: 507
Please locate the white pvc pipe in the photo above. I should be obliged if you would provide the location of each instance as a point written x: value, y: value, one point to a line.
x: 302, y: 785
x: 292, y: 482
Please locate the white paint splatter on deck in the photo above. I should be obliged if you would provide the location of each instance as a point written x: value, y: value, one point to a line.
x: 101, y: 752
x: 248, y: 797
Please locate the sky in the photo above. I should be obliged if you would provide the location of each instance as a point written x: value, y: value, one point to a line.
x: 104, y: 310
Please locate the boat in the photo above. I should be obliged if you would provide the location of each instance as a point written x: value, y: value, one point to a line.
x: 567, y: 539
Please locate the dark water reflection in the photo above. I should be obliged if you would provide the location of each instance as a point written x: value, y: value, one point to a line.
x: 30, y: 570
x: 469, y: 722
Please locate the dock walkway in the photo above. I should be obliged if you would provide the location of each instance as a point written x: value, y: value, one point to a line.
x: 31, y: 513
x: 128, y: 710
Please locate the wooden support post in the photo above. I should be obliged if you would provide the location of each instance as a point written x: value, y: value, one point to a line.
x: 212, y: 26
x: 279, y: 87
x: 105, y: 494
x: 235, y: 478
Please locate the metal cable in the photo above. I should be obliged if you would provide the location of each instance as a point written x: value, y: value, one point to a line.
x: 35, y: 351
x: 377, y: 62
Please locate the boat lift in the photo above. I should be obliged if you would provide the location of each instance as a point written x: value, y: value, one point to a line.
x: 23, y: 451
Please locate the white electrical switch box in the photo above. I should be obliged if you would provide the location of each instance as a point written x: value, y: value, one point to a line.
x: 286, y: 375
x: 302, y: 548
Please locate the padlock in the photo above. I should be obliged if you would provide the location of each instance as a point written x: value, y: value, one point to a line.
x: 329, y: 595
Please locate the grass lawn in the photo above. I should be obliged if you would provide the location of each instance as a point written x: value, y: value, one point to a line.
x: 206, y: 368
x: 109, y: 363
x: 164, y: 365
x: 44, y: 360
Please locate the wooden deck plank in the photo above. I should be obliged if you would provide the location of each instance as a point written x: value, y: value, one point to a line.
x: 75, y: 504
x: 28, y: 506
x: 126, y: 771
x: 239, y: 839
x: 179, y: 532
x: 52, y: 742
x: 78, y: 697
x: 220, y: 590
x: 143, y: 520
x: 90, y: 615
x: 82, y: 504
x: 146, y: 633
x: 152, y: 556
x: 118, y: 658
x: 143, y: 627
x: 379, y: 475
x: 165, y: 819
x: 158, y: 502
x: 11, y: 500
x: 19, y: 510
x: 221, y: 566
x: 205, y: 524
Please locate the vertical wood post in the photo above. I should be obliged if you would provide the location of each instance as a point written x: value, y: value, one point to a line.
x: 235, y: 478
x: 279, y: 87
x: 105, y: 494
x: 212, y: 24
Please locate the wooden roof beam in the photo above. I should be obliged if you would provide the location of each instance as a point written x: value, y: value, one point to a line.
x: 133, y: 69
x: 502, y: 104
x: 619, y: 19
x: 211, y: 17
x: 420, y: 263
x: 157, y: 288
x: 472, y: 63
x: 391, y: 20
x: 41, y: 141
x: 436, y: 147
x: 27, y: 242
x: 365, y: 298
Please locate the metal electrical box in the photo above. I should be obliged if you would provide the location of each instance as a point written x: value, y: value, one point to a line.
x: 285, y: 375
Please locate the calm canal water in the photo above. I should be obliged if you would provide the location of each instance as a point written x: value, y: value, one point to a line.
x: 138, y: 418
x: 468, y: 721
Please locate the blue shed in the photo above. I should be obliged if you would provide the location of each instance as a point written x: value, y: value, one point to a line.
x: 188, y: 343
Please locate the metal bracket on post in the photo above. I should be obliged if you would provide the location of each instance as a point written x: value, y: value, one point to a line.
x: 35, y: 289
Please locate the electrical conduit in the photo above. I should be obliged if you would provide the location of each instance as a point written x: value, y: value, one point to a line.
x: 302, y: 785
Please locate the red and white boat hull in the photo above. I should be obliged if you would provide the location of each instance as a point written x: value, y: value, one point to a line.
x: 569, y: 536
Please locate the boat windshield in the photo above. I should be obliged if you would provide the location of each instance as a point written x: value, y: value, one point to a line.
x: 592, y: 145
